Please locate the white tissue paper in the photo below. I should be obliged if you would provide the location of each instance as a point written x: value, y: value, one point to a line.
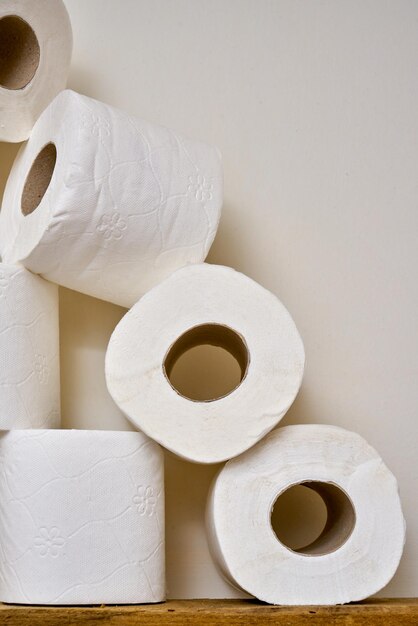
x: 29, y: 350
x: 35, y: 54
x: 360, y: 547
x: 107, y: 204
x: 198, y: 305
x: 82, y: 518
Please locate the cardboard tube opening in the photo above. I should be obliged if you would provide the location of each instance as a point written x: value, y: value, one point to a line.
x: 19, y: 53
x: 38, y: 179
x: 218, y: 336
x: 338, y: 518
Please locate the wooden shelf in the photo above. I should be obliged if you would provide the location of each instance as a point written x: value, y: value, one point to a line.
x: 394, y: 612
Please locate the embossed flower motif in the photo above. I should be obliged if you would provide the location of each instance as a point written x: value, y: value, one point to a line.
x: 4, y: 281
x: 95, y: 125
x: 41, y: 368
x: 49, y: 541
x: 200, y: 188
x: 145, y: 500
x: 112, y: 226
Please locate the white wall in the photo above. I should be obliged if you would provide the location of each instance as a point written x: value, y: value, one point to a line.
x: 314, y: 106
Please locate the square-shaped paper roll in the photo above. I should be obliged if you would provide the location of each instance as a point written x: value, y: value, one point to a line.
x: 82, y: 518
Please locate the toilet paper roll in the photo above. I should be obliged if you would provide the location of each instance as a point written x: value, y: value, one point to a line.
x: 214, y: 305
x: 35, y: 54
x: 107, y: 204
x: 359, y: 549
x: 82, y: 518
x: 29, y: 350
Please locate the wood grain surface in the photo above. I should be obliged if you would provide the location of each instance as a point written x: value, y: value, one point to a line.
x: 391, y: 612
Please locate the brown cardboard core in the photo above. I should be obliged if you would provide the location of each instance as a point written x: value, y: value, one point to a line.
x: 313, y: 518
x: 19, y: 53
x: 38, y: 179
x: 207, y: 362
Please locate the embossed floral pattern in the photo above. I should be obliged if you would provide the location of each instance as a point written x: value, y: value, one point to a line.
x: 41, y: 368
x: 49, y: 541
x: 112, y: 226
x: 145, y: 500
x: 28, y: 319
x: 97, y: 126
x: 4, y: 281
x: 134, y: 193
x: 200, y: 188
x: 64, y: 536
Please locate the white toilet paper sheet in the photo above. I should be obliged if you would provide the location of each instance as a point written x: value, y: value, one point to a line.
x: 107, y: 204
x: 82, y: 518
x: 360, y: 547
x: 35, y: 54
x: 205, y: 304
x: 29, y: 350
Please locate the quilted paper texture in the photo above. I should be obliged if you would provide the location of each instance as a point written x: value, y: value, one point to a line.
x: 128, y: 203
x: 29, y: 351
x: 82, y: 518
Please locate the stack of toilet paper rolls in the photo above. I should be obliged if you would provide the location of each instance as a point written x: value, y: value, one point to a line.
x: 126, y: 211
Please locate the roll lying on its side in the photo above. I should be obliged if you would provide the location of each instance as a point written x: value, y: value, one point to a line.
x: 360, y: 547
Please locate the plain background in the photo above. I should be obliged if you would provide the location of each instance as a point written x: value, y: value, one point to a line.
x: 314, y: 106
